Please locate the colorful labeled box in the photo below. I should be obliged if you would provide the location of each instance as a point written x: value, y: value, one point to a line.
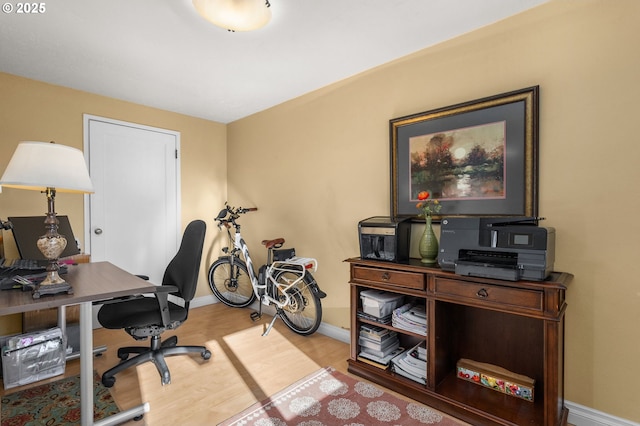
x: 496, y: 378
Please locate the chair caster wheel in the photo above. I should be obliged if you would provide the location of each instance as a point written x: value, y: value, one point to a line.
x: 138, y: 418
x: 108, y: 381
x: 206, y: 354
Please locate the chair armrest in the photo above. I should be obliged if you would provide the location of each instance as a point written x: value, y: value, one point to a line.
x: 162, y: 295
x: 165, y: 289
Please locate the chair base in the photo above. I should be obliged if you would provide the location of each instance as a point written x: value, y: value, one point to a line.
x: 156, y: 354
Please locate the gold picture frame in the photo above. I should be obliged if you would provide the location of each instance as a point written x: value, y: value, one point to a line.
x: 477, y: 158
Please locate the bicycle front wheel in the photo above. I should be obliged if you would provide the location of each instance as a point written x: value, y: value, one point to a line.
x: 304, y: 314
x: 231, y: 284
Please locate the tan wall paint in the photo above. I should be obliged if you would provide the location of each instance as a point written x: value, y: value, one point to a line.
x: 31, y: 110
x: 318, y: 164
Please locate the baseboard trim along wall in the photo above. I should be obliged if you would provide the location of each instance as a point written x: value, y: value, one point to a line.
x: 579, y: 415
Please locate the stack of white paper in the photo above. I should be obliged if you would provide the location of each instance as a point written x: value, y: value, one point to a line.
x: 411, y: 318
x: 412, y: 363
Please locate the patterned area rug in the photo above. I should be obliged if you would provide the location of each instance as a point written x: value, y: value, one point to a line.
x: 329, y: 398
x: 55, y: 403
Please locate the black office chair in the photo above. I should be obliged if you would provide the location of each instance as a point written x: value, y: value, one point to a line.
x: 145, y: 317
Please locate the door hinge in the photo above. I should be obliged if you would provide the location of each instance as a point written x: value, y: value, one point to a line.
x: 176, y: 154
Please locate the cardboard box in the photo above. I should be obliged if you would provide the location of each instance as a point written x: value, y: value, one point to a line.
x: 496, y: 378
x: 380, y: 303
x: 30, y: 357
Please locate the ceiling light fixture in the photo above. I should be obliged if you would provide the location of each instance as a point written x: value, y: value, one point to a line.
x: 235, y: 15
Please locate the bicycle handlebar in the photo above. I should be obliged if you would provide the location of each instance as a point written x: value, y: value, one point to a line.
x: 248, y: 209
x: 233, y: 212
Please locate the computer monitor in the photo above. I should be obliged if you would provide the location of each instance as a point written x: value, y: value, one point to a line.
x: 27, y: 229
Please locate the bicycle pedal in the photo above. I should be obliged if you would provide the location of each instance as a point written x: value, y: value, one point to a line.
x: 255, y: 316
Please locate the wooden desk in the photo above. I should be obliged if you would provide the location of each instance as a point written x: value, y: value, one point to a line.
x: 91, y: 282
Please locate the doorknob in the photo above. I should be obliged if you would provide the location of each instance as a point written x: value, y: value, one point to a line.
x: 98, y: 231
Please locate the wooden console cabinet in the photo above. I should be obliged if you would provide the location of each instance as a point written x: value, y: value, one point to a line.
x: 518, y: 326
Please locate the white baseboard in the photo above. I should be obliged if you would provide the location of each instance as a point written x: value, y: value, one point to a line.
x: 203, y: 301
x: 335, y: 332
x: 326, y: 329
x: 579, y: 415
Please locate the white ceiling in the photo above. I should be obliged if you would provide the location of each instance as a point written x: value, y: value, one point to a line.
x: 160, y: 53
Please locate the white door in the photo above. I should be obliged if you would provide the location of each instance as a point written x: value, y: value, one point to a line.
x: 133, y: 217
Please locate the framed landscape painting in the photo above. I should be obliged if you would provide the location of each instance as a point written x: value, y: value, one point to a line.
x: 478, y: 158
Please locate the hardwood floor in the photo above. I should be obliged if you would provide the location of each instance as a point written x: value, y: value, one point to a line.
x: 244, y: 367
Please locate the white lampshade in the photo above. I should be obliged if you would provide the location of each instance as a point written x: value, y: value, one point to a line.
x: 41, y: 165
x: 235, y: 15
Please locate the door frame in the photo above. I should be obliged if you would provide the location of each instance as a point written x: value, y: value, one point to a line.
x: 86, y: 118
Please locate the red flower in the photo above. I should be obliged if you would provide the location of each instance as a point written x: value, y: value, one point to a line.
x: 426, y: 206
x: 423, y: 195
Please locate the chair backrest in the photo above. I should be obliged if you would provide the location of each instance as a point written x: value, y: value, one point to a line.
x: 184, y: 268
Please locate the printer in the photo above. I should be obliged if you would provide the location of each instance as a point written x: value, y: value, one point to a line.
x: 385, y: 238
x: 507, y: 248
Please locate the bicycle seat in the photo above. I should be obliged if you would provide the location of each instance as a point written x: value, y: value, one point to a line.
x: 277, y: 243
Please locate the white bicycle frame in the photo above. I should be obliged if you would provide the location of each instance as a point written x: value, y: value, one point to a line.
x: 296, y: 265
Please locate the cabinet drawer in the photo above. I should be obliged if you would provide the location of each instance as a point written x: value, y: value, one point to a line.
x: 389, y: 277
x: 521, y: 298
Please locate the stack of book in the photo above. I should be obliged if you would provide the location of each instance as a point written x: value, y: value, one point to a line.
x: 378, y: 345
x: 382, y: 320
x: 412, y: 363
x: 411, y: 317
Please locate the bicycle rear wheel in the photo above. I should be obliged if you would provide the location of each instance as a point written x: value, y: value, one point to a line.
x: 231, y: 284
x: 304, y: 314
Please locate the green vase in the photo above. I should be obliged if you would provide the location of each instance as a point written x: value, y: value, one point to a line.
x: 428, y: 247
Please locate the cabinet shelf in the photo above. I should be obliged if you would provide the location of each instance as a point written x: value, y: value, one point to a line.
x: 392, y: 328
x: 505, y: 407
x: 518, y: 326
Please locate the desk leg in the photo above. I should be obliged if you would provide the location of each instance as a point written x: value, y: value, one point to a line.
x: 62, y: 320
x: 86, y: 364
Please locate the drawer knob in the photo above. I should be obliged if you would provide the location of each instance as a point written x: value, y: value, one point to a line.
x: 482, y: 293
x: 386, y: 276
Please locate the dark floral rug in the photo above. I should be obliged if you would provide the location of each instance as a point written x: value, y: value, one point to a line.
x: 328, y: 398
x: 55, y: 403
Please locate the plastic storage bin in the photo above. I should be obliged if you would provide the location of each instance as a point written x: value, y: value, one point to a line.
x: 30, y: 357
x: 380, y: 303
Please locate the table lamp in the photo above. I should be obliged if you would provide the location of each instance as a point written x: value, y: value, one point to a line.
x: 49, y: 168
x: 3, y: 226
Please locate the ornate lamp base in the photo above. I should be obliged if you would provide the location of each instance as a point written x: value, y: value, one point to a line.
x: 52, y: 275
x: 45, y: 289
x: 52, y: 245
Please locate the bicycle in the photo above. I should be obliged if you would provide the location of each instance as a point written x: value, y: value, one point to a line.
x: 284, y: 282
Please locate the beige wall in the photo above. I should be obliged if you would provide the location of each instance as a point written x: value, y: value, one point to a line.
x: 318, y: 164
x: 31, y: 110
